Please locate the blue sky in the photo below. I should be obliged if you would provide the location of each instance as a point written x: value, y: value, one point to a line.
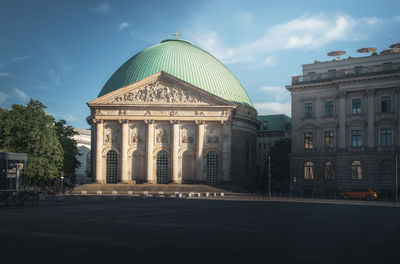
x: 63, y: 52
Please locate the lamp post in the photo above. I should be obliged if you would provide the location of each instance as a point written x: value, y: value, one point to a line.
x: 395, y: 154
x: 269, y: 177
x: 62, y: 182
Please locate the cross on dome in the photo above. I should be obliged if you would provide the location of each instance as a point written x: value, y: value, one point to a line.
x: 176, y: 34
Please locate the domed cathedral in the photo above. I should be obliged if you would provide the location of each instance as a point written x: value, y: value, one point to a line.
x: 173, y: 113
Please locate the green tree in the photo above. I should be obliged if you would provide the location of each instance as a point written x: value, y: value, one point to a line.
x: 70, y: 149
x: 280, y: 164
x: 28, y: 129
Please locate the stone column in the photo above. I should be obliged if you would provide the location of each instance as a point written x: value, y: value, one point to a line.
x: 226, y: 150
x: 342, y: 120
x: 175, y: 147
x: 149, y: 149
x: 371, y: 118
x: 124, y: 151
x: 99, y: 149
x: 199, y: 151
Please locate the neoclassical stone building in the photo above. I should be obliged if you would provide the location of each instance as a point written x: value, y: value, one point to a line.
x: 345, y: 123
x: 173, y: 114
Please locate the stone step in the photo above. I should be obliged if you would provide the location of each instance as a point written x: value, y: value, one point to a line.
x: 154, y: 188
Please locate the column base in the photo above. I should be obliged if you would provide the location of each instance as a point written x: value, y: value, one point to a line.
x: 150, y: 182
x: 128, y: 181
x: 101, y: 182
x: 177, y: 182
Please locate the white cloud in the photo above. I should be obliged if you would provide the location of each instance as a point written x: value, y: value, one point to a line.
x: 20, y: 58
x: 397, y: 18
x: 4, y: 74
x: 269, y: 108
x: 103, y: 7
x: 66, y: 116
x: 21, y: 94
x: 123, y: 25
x: 305, y: 32
x: 3, y: 97
x: 276, y: 93
x: 269, y: 61
x: 371, y: 21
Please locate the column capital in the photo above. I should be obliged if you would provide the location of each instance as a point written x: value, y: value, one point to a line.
x: 123, y: 121
x: 173, y: 122
x: 200, y: 122
x: 371, y: 91
x: 148, y: 121
x: 98, y: 121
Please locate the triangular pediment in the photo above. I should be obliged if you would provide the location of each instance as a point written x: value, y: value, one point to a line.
x: 159, y: 89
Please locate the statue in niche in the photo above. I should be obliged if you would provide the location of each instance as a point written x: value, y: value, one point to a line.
x: 135, y: 136
x: 187, y: 137
x: 107, y: 135
x: 162, y: 137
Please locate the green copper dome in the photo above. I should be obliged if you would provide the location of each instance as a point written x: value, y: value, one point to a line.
x: 185, y: 61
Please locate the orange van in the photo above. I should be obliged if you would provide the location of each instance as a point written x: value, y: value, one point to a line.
x: 359, y: 194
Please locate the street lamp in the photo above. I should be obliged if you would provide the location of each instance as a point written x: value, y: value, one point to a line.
x: 62, y: 181
x: 269, y: 177
x: 395, y: 154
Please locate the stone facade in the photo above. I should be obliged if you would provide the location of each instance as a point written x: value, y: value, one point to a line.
x: 83, y: 141
x: 164, y: 130
x: 345, y: 122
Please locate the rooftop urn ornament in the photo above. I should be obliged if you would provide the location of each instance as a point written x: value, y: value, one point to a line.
x: 176, y: 34
x: 336, y: 53
x: 367, y: 50
x: 388, y: 51
x: 395, y: 46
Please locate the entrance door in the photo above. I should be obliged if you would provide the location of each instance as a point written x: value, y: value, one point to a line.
x: 112, y: 167
x: 162, y: 167
x: 212, y: 167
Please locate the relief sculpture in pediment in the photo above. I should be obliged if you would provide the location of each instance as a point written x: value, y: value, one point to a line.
x: 158, y: 93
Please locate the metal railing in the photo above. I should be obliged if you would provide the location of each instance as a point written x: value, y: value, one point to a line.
x: 347, y: 73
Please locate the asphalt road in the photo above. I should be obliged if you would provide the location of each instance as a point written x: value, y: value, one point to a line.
x: 199, y: 231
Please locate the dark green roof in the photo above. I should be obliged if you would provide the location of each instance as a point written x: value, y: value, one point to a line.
x: 185, y: 61
x: 275, y: 123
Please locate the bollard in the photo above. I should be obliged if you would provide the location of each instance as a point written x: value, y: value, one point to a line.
x: 190, y: 195
x: 130, y: 193
x: 222, y: 194
x: 206, y: 194
x: 178, y: 195
x: 99, y: 192
x: 114, y: 192
x: 84, y: 192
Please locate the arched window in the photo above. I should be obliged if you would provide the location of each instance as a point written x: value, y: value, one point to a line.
x: 212, y: 167
x: 356, y: 171
x: 308, y: 170
x: 162, y: 167
x: 385, y: 170
x: 329, y: 171
x: 112, y: 167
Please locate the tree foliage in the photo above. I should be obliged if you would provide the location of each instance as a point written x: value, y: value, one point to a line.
x: 70, y: 149
x: 280, y: 163
x: 28, y: 129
